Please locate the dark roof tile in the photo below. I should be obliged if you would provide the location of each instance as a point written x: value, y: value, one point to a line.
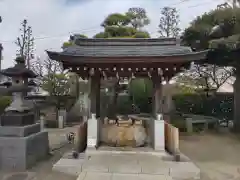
x: 118, y: 51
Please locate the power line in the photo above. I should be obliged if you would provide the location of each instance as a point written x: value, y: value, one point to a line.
x: 180, y: 2
x: 60, y: 35
x: 95, y: 27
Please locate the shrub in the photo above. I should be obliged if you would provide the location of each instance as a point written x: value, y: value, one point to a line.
x: 4, y: 102
x: 220, y: 105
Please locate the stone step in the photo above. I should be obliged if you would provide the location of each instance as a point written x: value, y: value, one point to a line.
x: 119, y: 176
x: 129, y: 165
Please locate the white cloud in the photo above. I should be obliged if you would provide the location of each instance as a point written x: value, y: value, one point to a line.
x: 56, y: 19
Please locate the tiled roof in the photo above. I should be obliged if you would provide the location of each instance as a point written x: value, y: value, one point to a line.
x: 133, y: 48
x: 118, y: 51
x: 126, y: 41
x: 126, y: 47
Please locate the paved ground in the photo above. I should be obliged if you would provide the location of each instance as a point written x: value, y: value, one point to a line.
x: 43, y: 170
x: 128, y: 165
x: 135, y: 167
x: 217, y: 155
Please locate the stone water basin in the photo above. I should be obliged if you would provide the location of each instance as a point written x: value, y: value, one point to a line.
x: 126, y: 133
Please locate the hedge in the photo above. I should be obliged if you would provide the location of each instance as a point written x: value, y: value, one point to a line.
x: 219, y: 105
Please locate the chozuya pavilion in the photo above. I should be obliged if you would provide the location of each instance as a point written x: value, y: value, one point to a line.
x: 96, y: 59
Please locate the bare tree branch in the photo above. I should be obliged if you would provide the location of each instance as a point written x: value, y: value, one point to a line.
x: 169, y: 22
x: 25, y: 43
x: 206, y: 76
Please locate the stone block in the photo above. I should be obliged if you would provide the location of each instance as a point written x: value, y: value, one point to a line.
x: 119, y: 176
x: 95, y: 167
x: 155, y: 168
x: 92, y: 132
x: 159, y: 136
x: 17, y: 119
x: 128, y: 168
x: 69, y: 166
x: 184, y: 170
x: 130, y: 135
x: 37, y: 148
x: 20, y: 176
x: 19, y: 131
x: 153, y: 177
x: 94, y: 176
x: 20, y: 153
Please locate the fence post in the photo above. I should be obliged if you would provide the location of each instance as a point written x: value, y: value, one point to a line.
x: 42, y: 122
x: 189, y: 125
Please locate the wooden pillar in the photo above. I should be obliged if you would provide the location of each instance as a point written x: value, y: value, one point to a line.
x: 157, y: 95
x: 158, y: 131
x: 93, y: 127
x: 95, y: 95
x: 168, y: 104
x: 1, y: 49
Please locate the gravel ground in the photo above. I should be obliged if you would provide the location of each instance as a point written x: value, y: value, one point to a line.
x: 216, y: 154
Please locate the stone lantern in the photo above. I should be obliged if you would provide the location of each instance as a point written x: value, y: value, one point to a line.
x: 21, y: 140
x: 20, y: 111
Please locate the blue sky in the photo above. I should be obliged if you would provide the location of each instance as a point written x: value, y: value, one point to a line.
x: 53, y: 21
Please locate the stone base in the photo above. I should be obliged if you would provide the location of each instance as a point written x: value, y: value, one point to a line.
x: 19, y: 131
x: 17, y: 119
x: 159, y: 135
x: 20, y: 153
x: 92, y: 132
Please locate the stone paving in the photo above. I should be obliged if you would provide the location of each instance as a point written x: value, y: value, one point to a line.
x: 128, y: 166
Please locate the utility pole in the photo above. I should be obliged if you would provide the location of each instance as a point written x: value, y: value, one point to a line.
x: 1, y: 49
x: 234, y: 3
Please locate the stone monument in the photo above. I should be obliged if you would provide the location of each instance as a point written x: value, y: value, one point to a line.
x: 22, y: 143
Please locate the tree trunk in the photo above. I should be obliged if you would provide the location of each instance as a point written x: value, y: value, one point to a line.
x: 237, y: 101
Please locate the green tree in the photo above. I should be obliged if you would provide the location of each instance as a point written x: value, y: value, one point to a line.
x: 54, y: 80
x: 101, y: 35
x: 141, y: 34
x: 72, y: 39
x: 169, y: 22
x: 116, y: 19
x: 140, y: 91
x: 25, y: 43
x: 125, y: 25
x: 138, y: 17
x: 224, y: 49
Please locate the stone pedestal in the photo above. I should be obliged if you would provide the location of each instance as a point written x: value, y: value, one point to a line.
x: 61, y: 118
x: 159, y: 136
x: 92, y: 132
x: 42, y: 122
x: 22, y: 146
x: 17, y: 118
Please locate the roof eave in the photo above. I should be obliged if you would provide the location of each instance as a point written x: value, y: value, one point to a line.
x: 61, y: 56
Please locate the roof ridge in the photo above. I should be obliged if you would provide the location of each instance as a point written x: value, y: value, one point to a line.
x: 125, y: 41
